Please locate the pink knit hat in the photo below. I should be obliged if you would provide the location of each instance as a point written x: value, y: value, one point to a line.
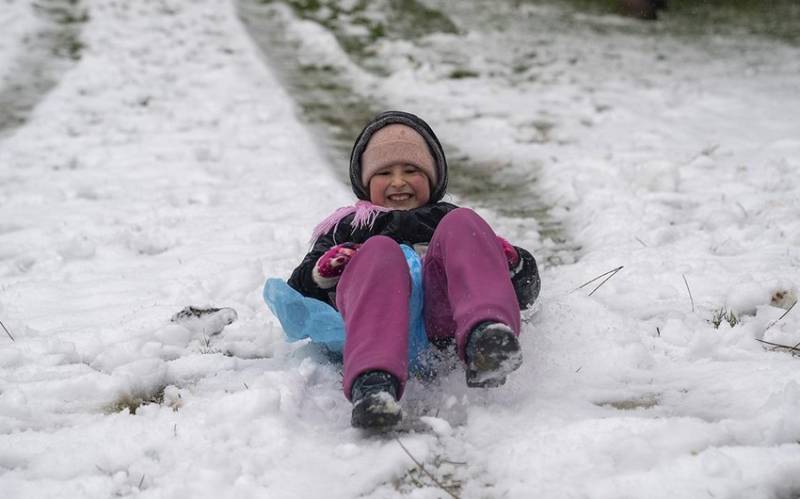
x: 397, y: 144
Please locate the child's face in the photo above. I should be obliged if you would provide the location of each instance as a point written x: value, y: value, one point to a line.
x: 400, y: 187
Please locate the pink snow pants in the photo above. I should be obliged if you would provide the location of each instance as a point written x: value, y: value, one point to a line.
x: 465, y: 279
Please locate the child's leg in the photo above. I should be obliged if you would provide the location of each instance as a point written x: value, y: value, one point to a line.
x: 466, y: 279
x: 372, y: 296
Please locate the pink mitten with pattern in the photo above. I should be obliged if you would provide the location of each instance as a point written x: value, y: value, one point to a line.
x: 331, y: 264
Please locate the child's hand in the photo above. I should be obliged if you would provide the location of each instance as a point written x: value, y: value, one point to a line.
x: 331, y: 264
x: 512, y: 256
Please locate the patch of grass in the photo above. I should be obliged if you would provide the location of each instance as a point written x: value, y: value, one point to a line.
x: 794, y: 350
x: 63, y: 12
x: 440, y: 474
x: 644, y: 401
x: 460, y: 74
x: 379, y: 19
x: 132, y: 401
x: 207, y: 349
x: 67, y: 18
x: 723, y: 314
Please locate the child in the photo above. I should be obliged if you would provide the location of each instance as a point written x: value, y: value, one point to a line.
x: 398, y: 172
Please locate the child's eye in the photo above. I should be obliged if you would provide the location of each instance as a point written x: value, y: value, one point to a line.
x: 382, y: 173
x: 411, y: 169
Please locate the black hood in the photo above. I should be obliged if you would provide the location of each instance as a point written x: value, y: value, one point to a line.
x: 410, y: 120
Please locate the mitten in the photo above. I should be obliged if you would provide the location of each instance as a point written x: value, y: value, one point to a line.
x: 512, y: 256
x: 331, y: 264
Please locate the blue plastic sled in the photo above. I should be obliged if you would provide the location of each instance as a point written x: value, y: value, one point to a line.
x: 302, y: 317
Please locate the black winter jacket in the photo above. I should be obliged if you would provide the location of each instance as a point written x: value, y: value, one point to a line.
x: 409, y: 227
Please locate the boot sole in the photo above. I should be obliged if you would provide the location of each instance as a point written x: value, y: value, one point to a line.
x: 497, y: 354
x: 376, y: 411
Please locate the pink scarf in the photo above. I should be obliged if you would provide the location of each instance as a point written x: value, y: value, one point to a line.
x: 366, y: 213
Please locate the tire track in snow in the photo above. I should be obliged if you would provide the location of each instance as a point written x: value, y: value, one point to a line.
x: 45, y: 55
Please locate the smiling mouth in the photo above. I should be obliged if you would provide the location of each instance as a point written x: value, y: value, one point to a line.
x: 399, y: 197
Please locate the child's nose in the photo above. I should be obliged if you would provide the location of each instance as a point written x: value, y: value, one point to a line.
x: 398, y: 179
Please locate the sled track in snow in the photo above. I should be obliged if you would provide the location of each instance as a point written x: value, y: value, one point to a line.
x: 328, y: 97
x: 335, y: 111
x: 45, y: 54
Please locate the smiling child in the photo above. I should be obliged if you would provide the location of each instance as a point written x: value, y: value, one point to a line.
x: 474, y: 282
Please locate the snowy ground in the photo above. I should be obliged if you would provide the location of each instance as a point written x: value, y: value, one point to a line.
x: 168, y: 167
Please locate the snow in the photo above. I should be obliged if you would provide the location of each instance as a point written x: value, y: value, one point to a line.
x: 169, y: 168
x: 16, y: 17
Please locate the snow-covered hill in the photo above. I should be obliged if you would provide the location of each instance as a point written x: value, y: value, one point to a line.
x: 169, y: 167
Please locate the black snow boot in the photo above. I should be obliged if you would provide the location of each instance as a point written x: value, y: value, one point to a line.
x: 492, y: 353
x: 375, y: 404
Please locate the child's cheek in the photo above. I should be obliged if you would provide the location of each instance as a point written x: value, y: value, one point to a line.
x: 376, y: 189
